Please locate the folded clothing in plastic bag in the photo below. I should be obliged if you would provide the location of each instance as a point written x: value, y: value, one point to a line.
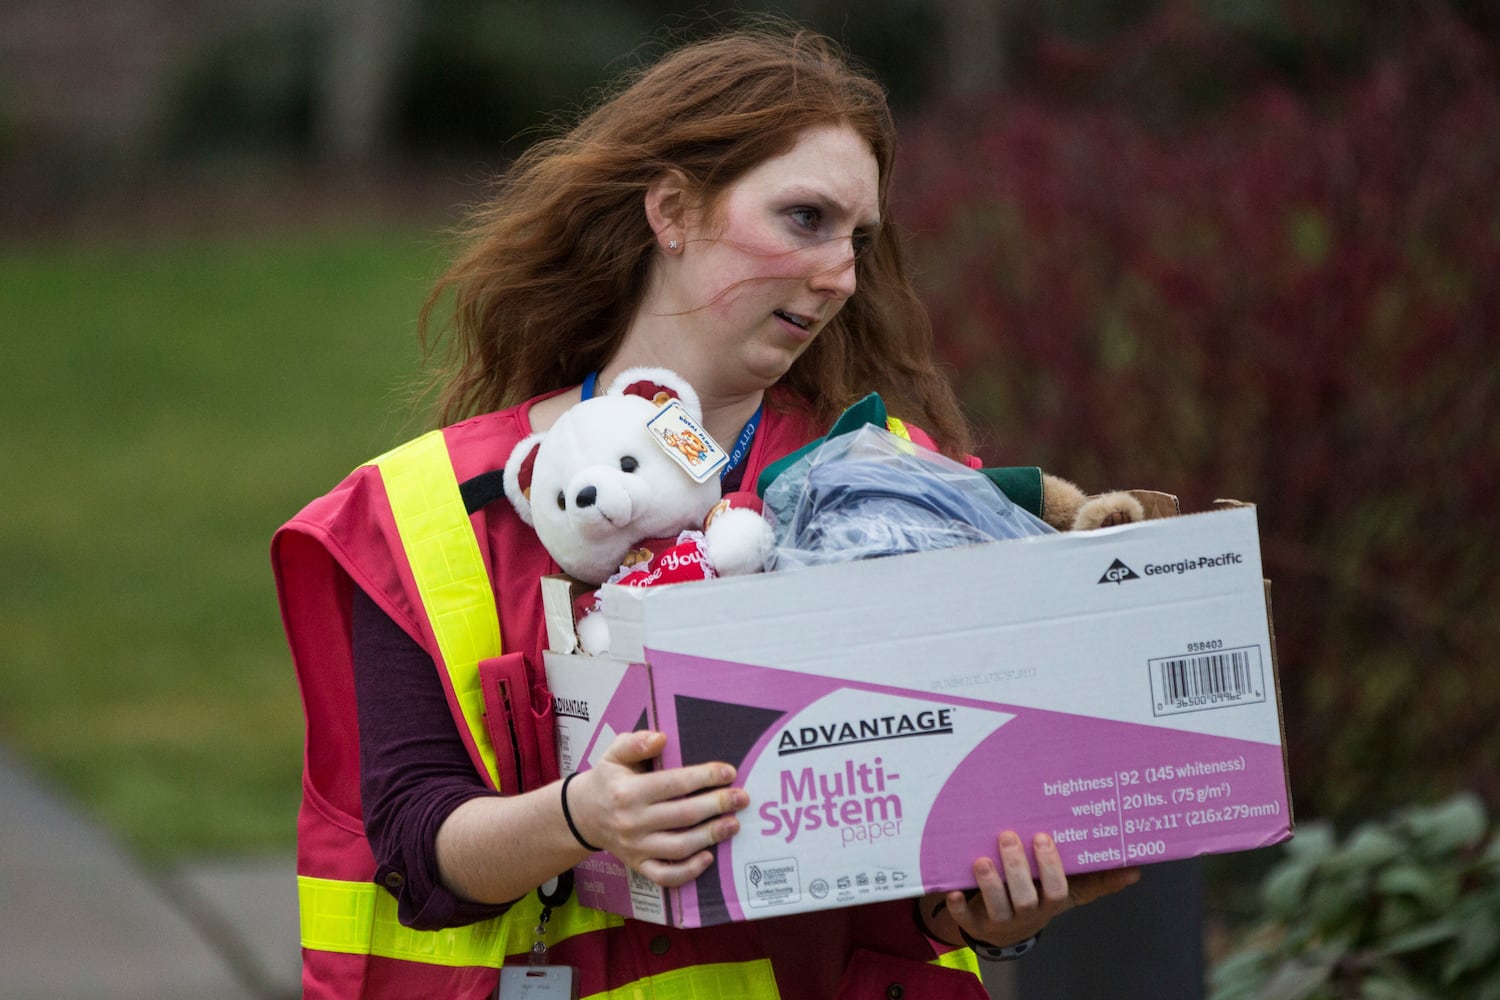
x: 869, y: 493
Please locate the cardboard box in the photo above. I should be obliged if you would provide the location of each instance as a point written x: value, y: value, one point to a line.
x: 1116, y: 688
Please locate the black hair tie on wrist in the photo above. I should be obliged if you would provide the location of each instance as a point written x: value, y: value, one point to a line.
x: 567, y: 815
x: 999, y: 953
x: 986, y: 951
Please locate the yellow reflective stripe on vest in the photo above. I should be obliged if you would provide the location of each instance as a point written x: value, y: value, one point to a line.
x: 339, y: 916
x: 898, y: 428
x: 962, y: 959
x: 451, y: 579
x: 359, y: 918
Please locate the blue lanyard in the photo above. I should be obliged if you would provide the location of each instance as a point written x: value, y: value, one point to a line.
x: 741, y: 444
x: 590, y: 384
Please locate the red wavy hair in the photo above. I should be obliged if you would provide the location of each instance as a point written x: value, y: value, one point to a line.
x: 556, y: 262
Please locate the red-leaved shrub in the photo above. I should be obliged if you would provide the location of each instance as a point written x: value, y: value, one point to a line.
x: 1295, y: 302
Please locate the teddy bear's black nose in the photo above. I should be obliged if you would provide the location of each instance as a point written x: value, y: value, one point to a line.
x: 587, y: 496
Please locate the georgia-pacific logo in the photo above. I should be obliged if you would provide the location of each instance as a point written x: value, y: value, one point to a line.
x: 1118, y: 572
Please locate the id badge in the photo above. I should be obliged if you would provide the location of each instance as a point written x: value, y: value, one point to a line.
x: 538, y: 982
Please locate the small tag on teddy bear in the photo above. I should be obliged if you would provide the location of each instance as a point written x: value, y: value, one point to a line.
x: 681, y: 437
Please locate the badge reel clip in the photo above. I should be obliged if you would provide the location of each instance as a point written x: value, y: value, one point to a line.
x: 537, y: 980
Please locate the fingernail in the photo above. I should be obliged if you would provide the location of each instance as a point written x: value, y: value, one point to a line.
x: 1009, y: 839
x: 725, y: 774
x: 1044, y: 840
x: 739, y: 799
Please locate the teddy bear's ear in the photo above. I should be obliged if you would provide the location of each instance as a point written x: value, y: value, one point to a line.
x: 657, y: 385
x: 518, y: 475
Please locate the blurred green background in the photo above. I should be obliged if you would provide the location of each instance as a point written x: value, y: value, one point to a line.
x: 1237, y: 248
x: 167, y: 402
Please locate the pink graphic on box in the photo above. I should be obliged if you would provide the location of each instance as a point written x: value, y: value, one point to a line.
x: 627, y: 711
x: 602, y: 880
x: 1110, y: 793
x: 752, y: 699
x: 778, y: 692
x: 746, y: 715
x: 1169, y: 794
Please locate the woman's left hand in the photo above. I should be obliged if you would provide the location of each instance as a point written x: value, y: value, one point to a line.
x: 1010, y: 905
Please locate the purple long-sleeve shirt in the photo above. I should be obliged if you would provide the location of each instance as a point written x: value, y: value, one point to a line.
x: 414, y: 769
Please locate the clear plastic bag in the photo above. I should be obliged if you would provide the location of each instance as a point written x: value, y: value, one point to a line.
x: 869, y: 493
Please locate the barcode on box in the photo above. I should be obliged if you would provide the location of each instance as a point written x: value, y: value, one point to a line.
x: 1220, y: 679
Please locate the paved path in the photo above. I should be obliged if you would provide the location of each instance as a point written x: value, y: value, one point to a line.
x: 81, y: 919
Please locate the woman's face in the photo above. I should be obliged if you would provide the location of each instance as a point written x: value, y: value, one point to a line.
x: 760, y: 276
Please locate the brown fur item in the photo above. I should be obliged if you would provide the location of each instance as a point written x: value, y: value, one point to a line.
x: 1068, y: 508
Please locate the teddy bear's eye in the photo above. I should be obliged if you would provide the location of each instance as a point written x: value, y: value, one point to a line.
x: 629, y: 464
x: 562, y: 501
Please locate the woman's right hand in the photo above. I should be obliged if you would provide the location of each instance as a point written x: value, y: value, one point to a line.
x: 660, y: 823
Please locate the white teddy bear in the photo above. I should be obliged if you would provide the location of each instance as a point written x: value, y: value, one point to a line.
x: 624, y: 487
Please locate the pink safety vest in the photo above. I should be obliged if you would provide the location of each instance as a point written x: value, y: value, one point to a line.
x: 353, y: 946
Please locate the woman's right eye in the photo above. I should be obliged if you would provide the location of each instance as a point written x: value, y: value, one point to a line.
x: 807, y: 218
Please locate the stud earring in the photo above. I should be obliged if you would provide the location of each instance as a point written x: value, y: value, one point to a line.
x: 673, y: 245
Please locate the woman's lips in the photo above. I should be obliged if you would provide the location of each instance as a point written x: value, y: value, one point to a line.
x: 800, y: 326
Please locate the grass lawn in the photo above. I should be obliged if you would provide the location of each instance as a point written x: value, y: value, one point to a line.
x: 165, y: 406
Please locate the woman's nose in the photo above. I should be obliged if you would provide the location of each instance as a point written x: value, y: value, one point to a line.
x: 836, y: 277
